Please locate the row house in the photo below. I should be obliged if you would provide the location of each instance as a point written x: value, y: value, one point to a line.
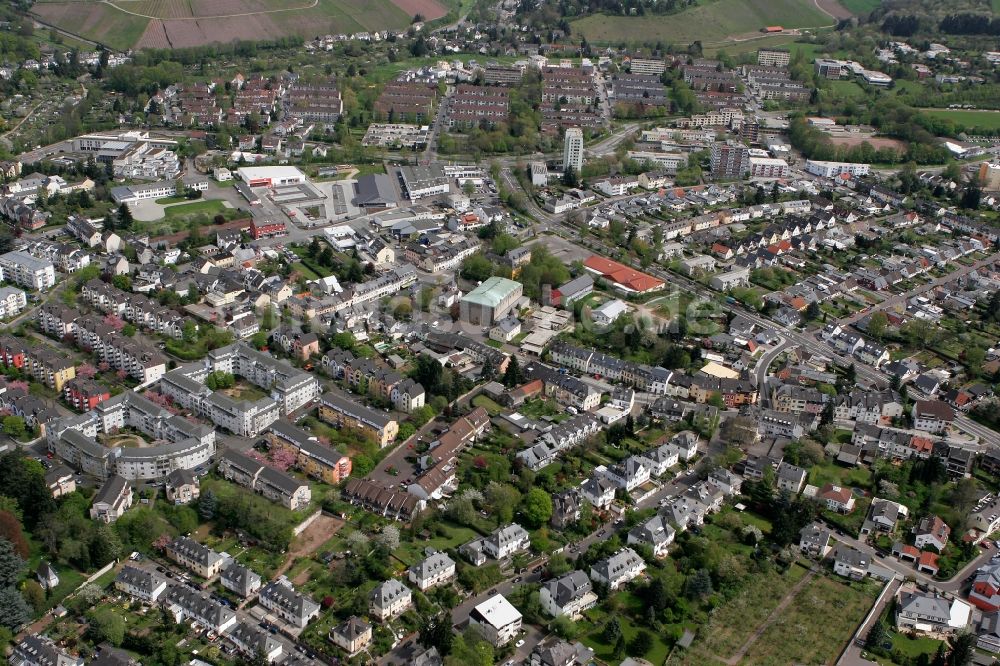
x: 872, y: 407
x: 394, y: 504
x: 273, y: 484
x: 314, y: 459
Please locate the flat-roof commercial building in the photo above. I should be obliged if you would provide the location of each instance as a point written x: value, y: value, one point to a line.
x: 490, y: 301
x: 834, y: 169
x: 129, y: 194
x: 419, y: 182
x: 271, y: 176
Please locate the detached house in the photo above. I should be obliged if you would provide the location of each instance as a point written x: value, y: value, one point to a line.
x: 241, y: 580
x: 112, y: 500
x: 570, y: 595
x: 814, y: 541
x: 352, y: 636
x: 656, y: 532
x: 618, y: 569
x: 883, y: 516
x: 280, y: 598
x: 192, y: 555
x: 389, y: 599
x: 433, y: 570
x: 931, y: 531
x: 836, y: 498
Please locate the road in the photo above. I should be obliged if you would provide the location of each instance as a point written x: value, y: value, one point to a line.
x: 901, y: 299
x: 763, y: 363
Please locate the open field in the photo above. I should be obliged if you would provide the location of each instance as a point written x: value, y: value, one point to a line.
x: 124, y: 24
x: 986, y: 120
x: 861, y: 6
x: 841, y: 605
x: 713, y: 22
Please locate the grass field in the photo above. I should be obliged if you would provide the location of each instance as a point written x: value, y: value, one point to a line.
x: 862, y: 6
x: 986, y: 120
x: 841, y: 605
x: 212, y: 207
x: 124, y: 24
x: 711, y: 23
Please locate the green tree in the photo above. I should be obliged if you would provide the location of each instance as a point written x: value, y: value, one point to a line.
x: 812, y: 311
x: 513, y: 376
x: 612, y: 631
x: 124, y: 217
x: 123, y: 282
x: 962, y: 649
x: 11, y: 564
x: 537, y: 507
x: 640, y: 644
x: 503, y: 499
x: 34, y: 595
x: 877, y: 324
x: 106, y: 625
x: 208, y: 504
x: 14, y: 426
x: 477, y: 268
x: 435, y: 631
x: 14, y: 610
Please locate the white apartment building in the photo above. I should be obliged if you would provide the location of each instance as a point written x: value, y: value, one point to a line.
x: 834, y: 169
x: 497, y: 619
x: 12, y: 301
x: 573, y: 149
x: 27, y: 271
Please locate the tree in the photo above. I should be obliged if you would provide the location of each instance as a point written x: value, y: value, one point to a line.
x: 640, y: 644
x: 435, y: 631
x: 390, y: 537
x: 208, y: 504
x: 34, y: 595
x: 503, y: 498
x: 14, y: 426
x: 877, y: 634
x: 877, y: 324
x: 14, y: 610
x: 11, y: 564
x: 612, y: 631
x: 10, y: 529
x: 812, y: 311
x: 537, y: 507
x: 962, y: 649
x: 512, y: 376
x: 698, y: 585
x: 124, y: 217
x: 106, y: 625
x: 477, y: 268
x: 569, y: 177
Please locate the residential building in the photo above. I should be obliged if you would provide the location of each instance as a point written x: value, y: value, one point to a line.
x: 497, y: 619
x: 60, y: 481
x: 773, y: 57
x: 571, y: 594
x: 140, y: 583
x: 435, y: 569
x: 35, y: 650
x: 273, y: 484
x: 931, y: 531
x: 280, y: 598
x: 182, y: 487
x: 346, y: 413
x: 241, y: 580
x: 12, y: 301
x: 28, y: 271
x: 194, y: 556
x: 836, y: 498
x: 790, y: 478
x: 352, y: 636
x: 883, y: 516
x: 112, y: 500
x: 932, y: 416
x: 618, y: 569
x: 929, y: 613
x: 185, y: 604
x: 573, y: 149
x: 730, y: 160
x: 814, y: 541
x: 389, y: 599
x: 655, y: 532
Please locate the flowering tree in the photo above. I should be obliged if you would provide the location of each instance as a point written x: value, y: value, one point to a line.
x: 103, y: 366
x: 121, y: 374
x: 282, y: 458
x: 114, y: 321
x: 18, y: 384
x: 86, y: 371
x: 161, y: 542
x: 390, y: 537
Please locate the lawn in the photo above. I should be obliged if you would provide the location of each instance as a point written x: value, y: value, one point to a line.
x: 712, y: 22
x: 845, y: 90
x: 210, y: 206
x: 842, y: 607
x: 605, y: 652
x: 451, y: 536
x: 486, y: 403
x: 831, y: 472
x: 861, y: 6
x: 984, y: 120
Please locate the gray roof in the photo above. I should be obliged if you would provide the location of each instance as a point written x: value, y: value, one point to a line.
x: 569, y: 587
x: 284, y: 596
x: 387, y: 592
x: 925, y: 606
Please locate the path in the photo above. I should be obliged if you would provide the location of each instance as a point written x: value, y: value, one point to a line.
x: 213, y: 16
x: 787, y: 599
x: 23, y: 120
x: 314, y: 536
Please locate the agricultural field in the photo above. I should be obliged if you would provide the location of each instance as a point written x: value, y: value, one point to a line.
x: 125, y: 24
x: 983, y: 120
x: 719, y: 23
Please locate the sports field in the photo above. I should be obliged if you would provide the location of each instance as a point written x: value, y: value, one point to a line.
x: 125, y: 24
x: 713, y: 23
x: 984, y: 120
